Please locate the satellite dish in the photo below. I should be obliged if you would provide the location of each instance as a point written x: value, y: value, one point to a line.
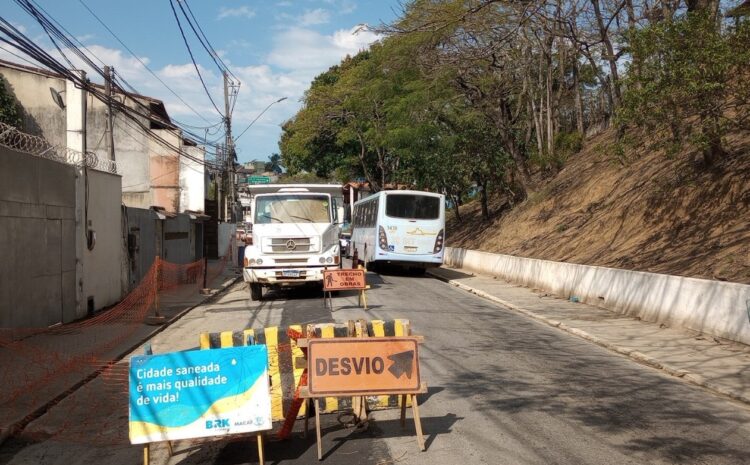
x: 57, y: 98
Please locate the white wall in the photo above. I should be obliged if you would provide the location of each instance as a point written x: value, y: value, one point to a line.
x: 226, y: 239
x: 192, y: 180
x: 103, y: 265
x: 713, y: 307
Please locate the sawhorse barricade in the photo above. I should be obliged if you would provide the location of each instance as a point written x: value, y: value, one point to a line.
x: 344, y: 279
x: 363, y: 366
x: 286, y: 360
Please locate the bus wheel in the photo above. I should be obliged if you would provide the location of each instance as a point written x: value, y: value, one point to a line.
x: 256, y: 292
x: 372, y: 266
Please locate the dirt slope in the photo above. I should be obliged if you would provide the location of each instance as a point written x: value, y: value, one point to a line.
x: 648, y: 213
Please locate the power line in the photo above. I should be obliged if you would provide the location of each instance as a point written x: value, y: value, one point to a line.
x: 22, y: 43
x: 142, y: 62
x: 190, y: 52
x: 203, y: 39
x: 18, y: 56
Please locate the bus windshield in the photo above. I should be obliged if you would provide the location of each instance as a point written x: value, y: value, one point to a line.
x: 413, y: 207
x: 289, y: 208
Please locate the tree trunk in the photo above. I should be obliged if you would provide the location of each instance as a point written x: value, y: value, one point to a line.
x: 610, y: 57
x: 714, y: 149
x: 538, y: 128
x: 578, y: 99
x: 363, y: 162
x: 455, y: 200
x: 485, y: 201
x: 548, y: 95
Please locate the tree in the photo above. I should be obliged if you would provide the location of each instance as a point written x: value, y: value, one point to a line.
x: 274, y: 163
x: 691, y: 84
x: 9, y: 112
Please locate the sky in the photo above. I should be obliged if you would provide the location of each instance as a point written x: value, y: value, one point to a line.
x: 274, y: 48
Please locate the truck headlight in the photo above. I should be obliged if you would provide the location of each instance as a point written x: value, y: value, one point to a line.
x: 329, y: 259
x: 259, y: 261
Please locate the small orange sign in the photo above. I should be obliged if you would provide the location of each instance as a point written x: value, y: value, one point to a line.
x: 343, y: 279
x: 363, y: 366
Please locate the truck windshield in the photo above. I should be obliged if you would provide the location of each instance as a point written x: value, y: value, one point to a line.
x: 290, y: 208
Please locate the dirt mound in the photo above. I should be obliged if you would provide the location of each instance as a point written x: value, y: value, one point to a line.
x: 644, y: 212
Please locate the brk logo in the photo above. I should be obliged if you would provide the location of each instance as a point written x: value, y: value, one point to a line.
x: 220, y: 423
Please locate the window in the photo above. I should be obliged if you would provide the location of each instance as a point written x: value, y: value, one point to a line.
x: 414, y: 207
x: 287, y: 208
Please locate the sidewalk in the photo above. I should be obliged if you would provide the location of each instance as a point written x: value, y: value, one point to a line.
x: 52, y: 365
x: 718, y: 365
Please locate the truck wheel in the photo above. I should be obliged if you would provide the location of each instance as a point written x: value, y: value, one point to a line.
x: 256, y: 292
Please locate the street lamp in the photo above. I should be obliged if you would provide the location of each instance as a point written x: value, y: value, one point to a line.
x: 259, y: 115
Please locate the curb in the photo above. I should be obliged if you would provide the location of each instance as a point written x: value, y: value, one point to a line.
x: 692, y: 378
x: 19, y: 425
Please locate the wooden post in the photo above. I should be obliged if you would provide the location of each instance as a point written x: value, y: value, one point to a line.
x: 169, y: 448
x: 417, y: 421
x: 261, y: 457
x: 317, y: 429
x: 156, y: 286
x: 403, y: 410
x: 362, y: 302
x: 145, y: 455
x: 308, y: 405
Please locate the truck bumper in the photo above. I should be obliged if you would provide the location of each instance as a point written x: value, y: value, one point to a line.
x: 286, y: 276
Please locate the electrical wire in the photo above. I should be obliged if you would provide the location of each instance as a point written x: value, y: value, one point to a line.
x: 143, y: 63
x: 201, y: 36
x: 192, y: 58
x: 22, y: 43
x: 18, y: 56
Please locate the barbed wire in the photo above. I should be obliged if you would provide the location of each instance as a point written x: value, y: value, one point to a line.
x: 12, y: 138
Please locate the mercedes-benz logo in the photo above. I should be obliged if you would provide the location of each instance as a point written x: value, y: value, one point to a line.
x: 291, y: 245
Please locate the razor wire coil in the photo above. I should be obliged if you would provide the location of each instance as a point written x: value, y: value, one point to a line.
x: 12, y: 138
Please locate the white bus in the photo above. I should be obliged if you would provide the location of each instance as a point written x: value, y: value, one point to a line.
x: 405, y: 228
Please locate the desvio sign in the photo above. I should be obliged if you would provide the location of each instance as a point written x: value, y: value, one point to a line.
x: 199, y: 393
x: 357, y: 366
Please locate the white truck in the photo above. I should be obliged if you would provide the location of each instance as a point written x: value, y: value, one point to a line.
x: 295, y: 235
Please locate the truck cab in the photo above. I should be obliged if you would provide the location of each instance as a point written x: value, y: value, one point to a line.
x: 295, y: 236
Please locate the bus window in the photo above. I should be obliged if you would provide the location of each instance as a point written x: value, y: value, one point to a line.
x: 417, y: 207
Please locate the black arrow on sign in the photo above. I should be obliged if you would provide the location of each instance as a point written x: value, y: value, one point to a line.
x: 402, y: 363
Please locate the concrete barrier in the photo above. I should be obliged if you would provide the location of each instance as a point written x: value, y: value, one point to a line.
x: 713, y: 307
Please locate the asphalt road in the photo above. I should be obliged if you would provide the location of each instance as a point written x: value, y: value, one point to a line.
x: 503, y: 389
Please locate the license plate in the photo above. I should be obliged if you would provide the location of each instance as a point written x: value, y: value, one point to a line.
x: 290, y: 273
x: 410, y: 249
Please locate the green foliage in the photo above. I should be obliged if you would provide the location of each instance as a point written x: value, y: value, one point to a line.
x: 304, y: 178
x: 690, y: 82
x: 9, y: 111
x: 274, y: 163
x: 568, y: 143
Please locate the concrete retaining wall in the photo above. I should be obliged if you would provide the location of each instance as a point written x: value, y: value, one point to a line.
x: 713, y: 307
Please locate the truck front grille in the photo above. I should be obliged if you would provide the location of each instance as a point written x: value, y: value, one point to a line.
x: 290, y: 244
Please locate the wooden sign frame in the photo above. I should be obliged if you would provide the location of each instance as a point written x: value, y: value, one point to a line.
x: 312, y: 400
x: 327, y: 291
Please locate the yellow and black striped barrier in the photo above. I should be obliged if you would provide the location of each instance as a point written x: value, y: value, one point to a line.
x: 286, y: 360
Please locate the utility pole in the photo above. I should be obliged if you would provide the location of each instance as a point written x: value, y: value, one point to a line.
x: 110, y: 124
x: 229, y: 149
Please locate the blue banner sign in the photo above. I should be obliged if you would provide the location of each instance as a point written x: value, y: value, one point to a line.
x: 199, y: 393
